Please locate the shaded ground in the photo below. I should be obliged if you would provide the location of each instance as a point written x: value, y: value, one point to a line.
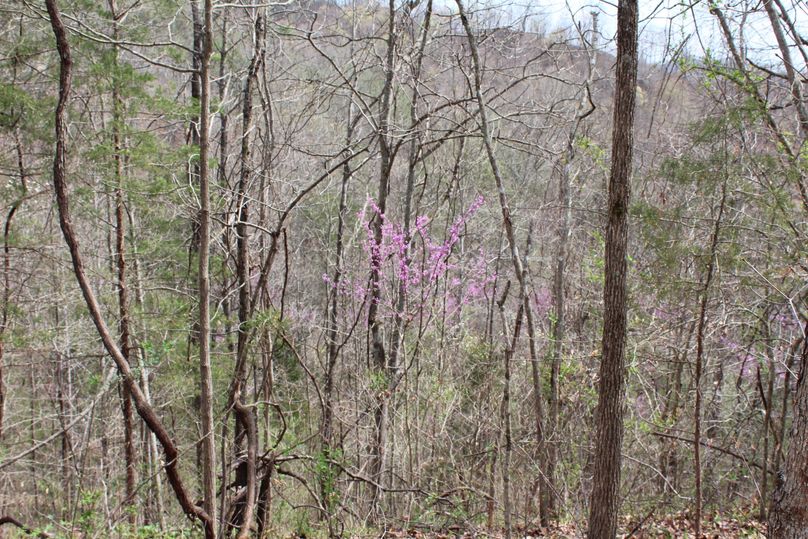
x: 675, y: 526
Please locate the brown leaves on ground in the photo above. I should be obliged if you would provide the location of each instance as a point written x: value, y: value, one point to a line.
x: 641, y: 527
x: 680, y: 525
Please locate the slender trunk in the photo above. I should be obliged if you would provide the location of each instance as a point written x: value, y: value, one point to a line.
x: 333, y: 344
x: 245, y: 417
x: 34, y: 466
x: 559, y: 326
x: 222, y: 87
x: 223, y: 180
x: 150, y: 438
x: 205, y: 371
x: 489, y: 150
x: 750, y: 86
x: 792, y: 75
x: 545, y: 482
x: 63, y: 395
x: 780, y: 452
x: 605, y: 501
x: 7, y: 266
x: 261, y: 293
x: 194, y: 125
x: 123, y: 297
x: 670, y: 414
x: 705, y: 298
x: 327, y: 487
x: 333, y: 311
x: 519, y: 270
x: 767, y: 421
x: 490, y: 503
x: 506, y: 221
x: 505, y: 411
x: 394, y: 371
x: 7, y: 252
x: 378, y: 354
x: 668, y: 460
x: 797, y: 41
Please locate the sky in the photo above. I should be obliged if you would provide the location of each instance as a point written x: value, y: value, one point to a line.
x: 664, y: 21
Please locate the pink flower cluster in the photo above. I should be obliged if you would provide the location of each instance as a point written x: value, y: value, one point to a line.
x: 543, y: 301
x: 416, y: 261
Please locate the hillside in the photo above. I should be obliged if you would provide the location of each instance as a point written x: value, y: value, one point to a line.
x: 348, y: 267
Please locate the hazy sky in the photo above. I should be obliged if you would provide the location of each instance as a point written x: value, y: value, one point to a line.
x: 664, y: 19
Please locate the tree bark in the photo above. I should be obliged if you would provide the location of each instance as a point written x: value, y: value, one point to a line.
x: 245, y: 417
x: 205, y: 371
x: 123, y: 294
x: 788, y: 515
x: 505, y: 410
x: 795, y: 84
x: 699, y: 367
x: 194, y: 125
x: 604, y: 502
x: 378, y: 354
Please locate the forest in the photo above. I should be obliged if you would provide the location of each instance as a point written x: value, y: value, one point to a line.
x: 403, y: 268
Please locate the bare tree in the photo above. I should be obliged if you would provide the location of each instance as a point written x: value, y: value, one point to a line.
x: 120, y: 261
x: 245, y: 417
x: 205, y: 371
x: 516, y: 260
x: 66, y: 222
x: 699, y: 363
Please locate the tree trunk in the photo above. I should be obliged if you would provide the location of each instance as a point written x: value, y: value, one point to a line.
x: 7, y: 265
x: 505, y: 411
x: 604, y: 503
x: 194, y: 125
x: 767, y: 395
x: 699, y: 368
x: 793, y: 76
x: 327, y: 487
x: 378, y: 355
x: 123, y: 295
x: 788, y: 515
x: 507, y: 223
x: 205, y: 371
x: 245, y: 418
x: 559, y: 325
x: 150, y: 440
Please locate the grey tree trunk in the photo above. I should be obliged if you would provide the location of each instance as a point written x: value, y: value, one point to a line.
x: 378, y: 354
x: 507, y: 222
x: 205, y: 371
x: 246, y: 476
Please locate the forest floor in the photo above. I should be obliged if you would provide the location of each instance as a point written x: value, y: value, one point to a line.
x: 669, y: 527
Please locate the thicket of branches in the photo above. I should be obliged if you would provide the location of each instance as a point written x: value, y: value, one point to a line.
x: 341, y: 268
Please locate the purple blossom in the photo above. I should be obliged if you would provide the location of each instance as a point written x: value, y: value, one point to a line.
x: 543, y: 300
x: 417, y: 271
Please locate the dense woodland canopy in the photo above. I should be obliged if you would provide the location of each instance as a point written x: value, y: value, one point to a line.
x: 333, y: 268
